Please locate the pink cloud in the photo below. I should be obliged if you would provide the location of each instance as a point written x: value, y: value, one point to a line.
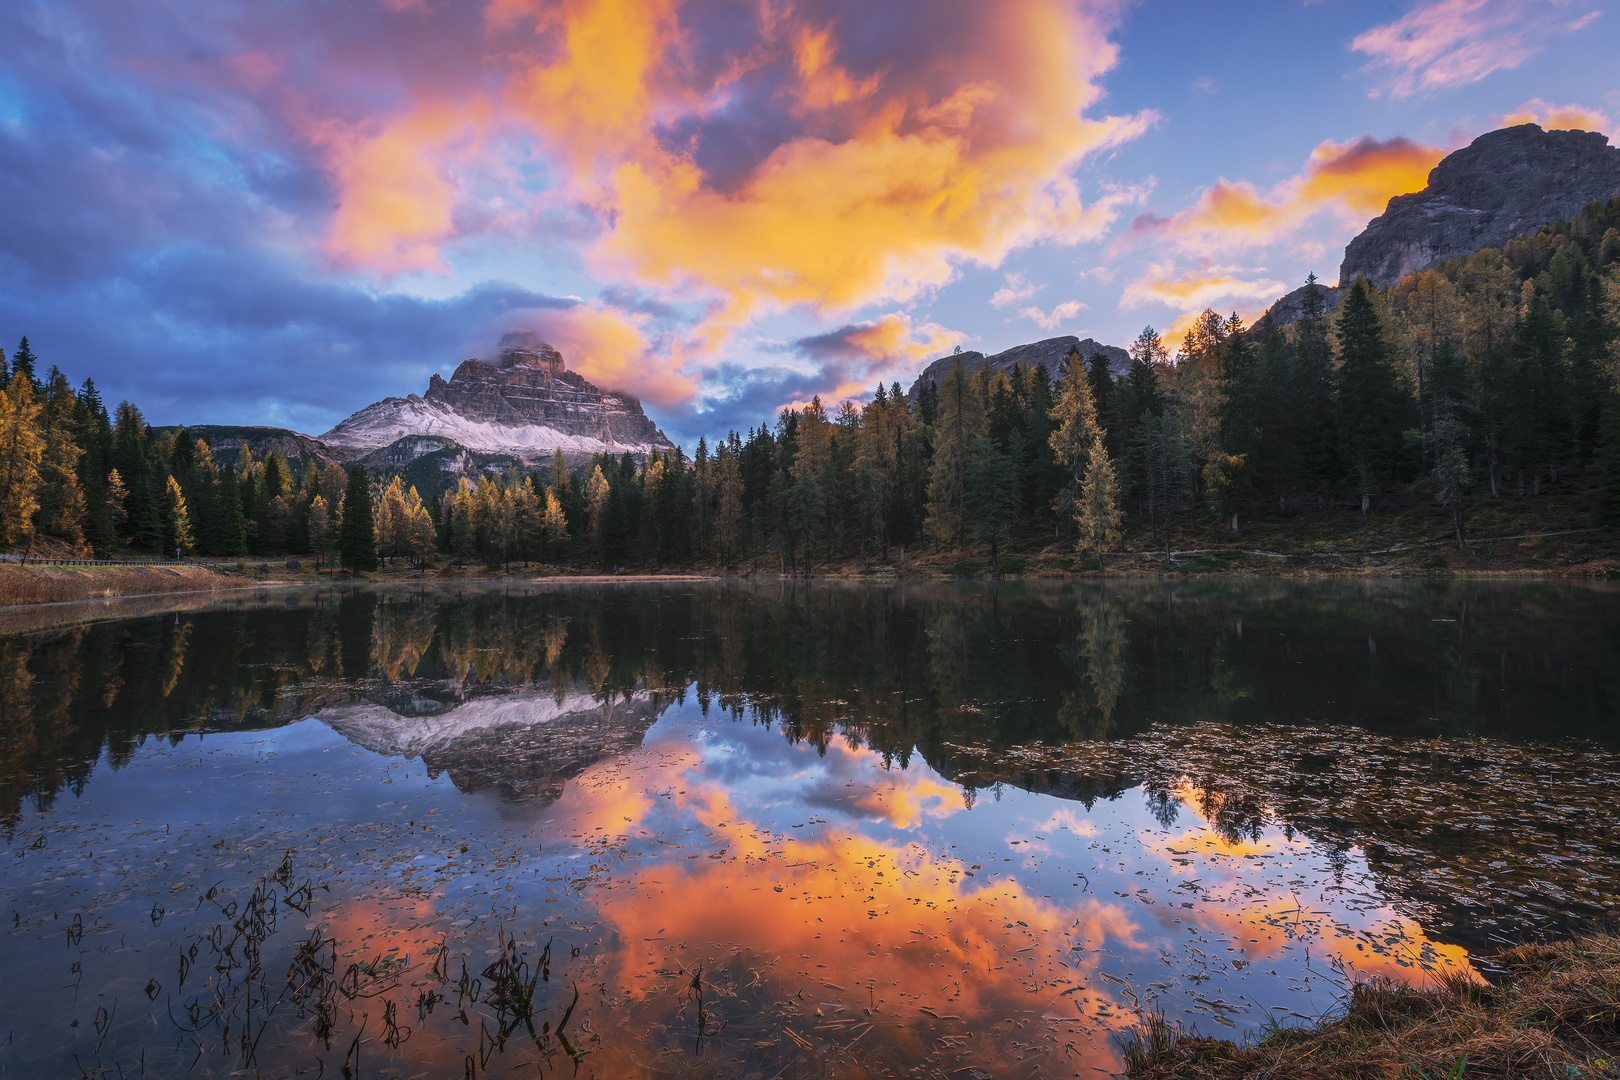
x: 1449, y: 43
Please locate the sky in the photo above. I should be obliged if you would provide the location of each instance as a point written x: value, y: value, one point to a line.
x: 278, y: 212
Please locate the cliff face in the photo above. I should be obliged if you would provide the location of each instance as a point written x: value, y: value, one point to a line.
x: 1050, y: 352
x: 526, y: 404
x: 1504, y: 184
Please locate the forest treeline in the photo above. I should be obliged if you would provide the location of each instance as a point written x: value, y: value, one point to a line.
x: 1487, y: 377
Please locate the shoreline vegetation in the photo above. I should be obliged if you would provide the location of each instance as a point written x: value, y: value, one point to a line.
x: 1553, y: 1012
x: 1464, y: 419
x: 1567, y: 553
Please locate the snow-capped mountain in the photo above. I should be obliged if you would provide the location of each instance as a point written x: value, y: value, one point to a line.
x: 526, y: 404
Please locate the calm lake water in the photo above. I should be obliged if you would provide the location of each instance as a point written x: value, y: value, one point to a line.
x: 692, y: 830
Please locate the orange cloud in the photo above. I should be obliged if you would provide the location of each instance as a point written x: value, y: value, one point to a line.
x: 609, y: 348
x: 396, y: 203
x: 1450, y: 43
x: 1198, y: 289
x: 1559, y: 117
x: 858, y: 354
x: 889, y: 173
x: 852, y: 922
x: 1351, y: 179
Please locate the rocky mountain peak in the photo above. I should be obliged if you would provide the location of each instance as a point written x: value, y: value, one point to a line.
x: 1504, y: 184
x: 523, y: 348
x: 526, y: 404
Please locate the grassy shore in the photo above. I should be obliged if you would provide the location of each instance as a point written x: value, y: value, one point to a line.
x: 1554, y: 1013
x: 21, y: 585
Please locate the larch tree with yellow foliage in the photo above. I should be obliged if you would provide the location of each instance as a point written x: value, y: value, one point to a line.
x: 21, y: 446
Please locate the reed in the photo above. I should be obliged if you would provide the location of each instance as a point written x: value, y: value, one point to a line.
x: 1554, y: 1012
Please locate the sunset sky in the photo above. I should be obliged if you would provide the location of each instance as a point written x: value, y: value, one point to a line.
x: 278, y: 212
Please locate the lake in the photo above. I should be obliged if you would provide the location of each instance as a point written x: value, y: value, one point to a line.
x: 781, y: 830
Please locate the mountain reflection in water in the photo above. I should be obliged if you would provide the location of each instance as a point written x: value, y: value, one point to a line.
x: 865, y: 829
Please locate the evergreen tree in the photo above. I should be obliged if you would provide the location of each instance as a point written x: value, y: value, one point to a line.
x: 93, y: 432
x: 1309, y: 411
x: 1374, y: 411
x: 23, y: 361
x: 129, y: 438
x: 1164, y: 464
x: 993, y: 494
x: 146, y: 517
x: 230, y: 537
x: 357, y: 538
x: 1606, y: 507
x: 960, y: 417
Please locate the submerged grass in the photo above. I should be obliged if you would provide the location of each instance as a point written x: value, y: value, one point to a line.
x: 1555, y: 1013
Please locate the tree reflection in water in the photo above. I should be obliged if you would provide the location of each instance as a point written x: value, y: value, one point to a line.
x: 1406, y: 731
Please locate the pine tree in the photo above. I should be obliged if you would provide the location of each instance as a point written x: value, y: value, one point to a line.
x: 1309, y: 417
x: 1373, y: 409
x: 1606, y: 508
x: 357, y: 542
x: 231, y: 537
x: 93, y: 432
x: 961, y: 415
x: 993, y: 493
x: 728, y: 503
x: 23, y: 361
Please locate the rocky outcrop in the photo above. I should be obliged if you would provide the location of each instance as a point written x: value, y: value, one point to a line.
x: 1502, y: 185
x: 526, y: 404
x: 1291, y: 307
x: 1050, y: 353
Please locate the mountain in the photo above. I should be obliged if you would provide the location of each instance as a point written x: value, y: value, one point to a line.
x: 1504, y: 184
x: 526, y: 404
x: 527, y: 743
x: 1051, y: 352
x: 226, y: 440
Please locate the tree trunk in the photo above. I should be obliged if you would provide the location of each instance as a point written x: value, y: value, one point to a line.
x: 1234, y: 523
x: 1364, y: 500
x: 995, y: 566
x: 1457, y: 523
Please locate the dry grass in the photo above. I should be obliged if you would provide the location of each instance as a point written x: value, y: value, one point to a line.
x: 56, y: 584
x: 1554, y: 1014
